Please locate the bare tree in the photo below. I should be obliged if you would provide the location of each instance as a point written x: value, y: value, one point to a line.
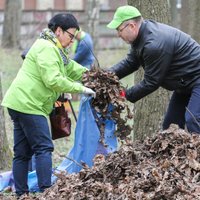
x: 92, y: 10
x: 186, y: 16
x: 149, y: 111
x: 175, y: 9
x: 5, y: 153
x: 194, y: 17
x: 12, y: 24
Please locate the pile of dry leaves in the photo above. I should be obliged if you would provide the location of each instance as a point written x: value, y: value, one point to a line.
x: 108, y: 102
x: 163, y: 167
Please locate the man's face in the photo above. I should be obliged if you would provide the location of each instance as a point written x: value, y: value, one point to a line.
x: 128, y: 31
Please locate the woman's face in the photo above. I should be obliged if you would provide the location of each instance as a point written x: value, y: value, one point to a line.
x: 66, y: 37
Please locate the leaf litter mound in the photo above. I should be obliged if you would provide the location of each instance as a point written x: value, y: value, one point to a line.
x: 162, y: 167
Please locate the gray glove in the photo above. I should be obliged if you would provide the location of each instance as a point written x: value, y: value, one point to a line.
x: 88, y: 91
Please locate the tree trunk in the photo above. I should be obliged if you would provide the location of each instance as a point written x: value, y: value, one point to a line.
x: 12, y: 24
x: 194, y: 17
x: 175, y: 9
x: 189, y: 18
x: 149, y: 111
x: 92, y: 10
x: 5, y: 153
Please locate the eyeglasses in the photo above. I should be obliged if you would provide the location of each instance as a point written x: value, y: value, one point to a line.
x: 120, y: 30
x: 70, y: 34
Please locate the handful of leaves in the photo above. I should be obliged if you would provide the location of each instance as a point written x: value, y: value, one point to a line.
x: 108, y: 88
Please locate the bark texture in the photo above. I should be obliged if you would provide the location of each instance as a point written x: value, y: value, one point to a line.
x: 5, y: 153
x: 12, y: 24
x: 149, y: 111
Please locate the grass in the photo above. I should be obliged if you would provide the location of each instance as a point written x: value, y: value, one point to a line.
x: 10, y: 64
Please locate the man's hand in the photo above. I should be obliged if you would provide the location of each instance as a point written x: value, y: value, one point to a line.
x: 122, y: 93
x: 89, y: 91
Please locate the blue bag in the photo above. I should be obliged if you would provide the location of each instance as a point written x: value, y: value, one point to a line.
x: 87, y: 135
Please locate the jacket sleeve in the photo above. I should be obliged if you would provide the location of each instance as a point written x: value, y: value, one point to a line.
x: 75, y: 71
x: 55, y: 75
x: 126, y: 66
x: 156, y: 66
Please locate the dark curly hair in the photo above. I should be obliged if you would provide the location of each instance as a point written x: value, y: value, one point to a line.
x: 63, y: 20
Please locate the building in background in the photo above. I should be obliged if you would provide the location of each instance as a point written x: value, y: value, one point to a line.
x: 36, y: 14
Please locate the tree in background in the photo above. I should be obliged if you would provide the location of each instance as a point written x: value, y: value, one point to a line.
x: 5, y: 152
x: 186, y: 17
x: 93, y: 12
x: 194, y: 19
x: 10, y: 39
x: 150, y: 110
x: 12, y: 24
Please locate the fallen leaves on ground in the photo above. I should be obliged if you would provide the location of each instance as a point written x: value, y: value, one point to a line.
x: 163, y: 167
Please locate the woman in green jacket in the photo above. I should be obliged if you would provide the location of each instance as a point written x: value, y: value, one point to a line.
x: 46, y: 72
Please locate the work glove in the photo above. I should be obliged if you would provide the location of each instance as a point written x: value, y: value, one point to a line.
x: 67, y: 96
x: 88, y: 91
x: 123, y: 93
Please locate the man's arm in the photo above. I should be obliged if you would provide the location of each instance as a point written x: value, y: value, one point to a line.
x: 157, y: 63
x: 126, y: 66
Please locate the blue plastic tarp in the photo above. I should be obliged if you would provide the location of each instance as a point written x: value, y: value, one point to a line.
x: 87, y: 136
x: 6, y: 179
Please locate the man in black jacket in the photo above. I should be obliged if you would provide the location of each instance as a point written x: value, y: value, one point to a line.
x: 170, y: 59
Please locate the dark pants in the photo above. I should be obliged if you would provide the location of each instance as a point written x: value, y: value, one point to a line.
x: 31, y: 136
x: 178, y: 114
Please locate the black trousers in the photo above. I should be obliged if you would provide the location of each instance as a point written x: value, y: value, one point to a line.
x: 178, y: 114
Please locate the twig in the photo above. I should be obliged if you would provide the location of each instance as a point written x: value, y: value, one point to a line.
x: 74, y: 161
x: 71, y: 160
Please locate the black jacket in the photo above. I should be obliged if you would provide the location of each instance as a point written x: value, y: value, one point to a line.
x: 170, y: 59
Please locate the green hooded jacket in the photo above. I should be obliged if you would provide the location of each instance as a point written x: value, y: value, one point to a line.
x: 41, y: 79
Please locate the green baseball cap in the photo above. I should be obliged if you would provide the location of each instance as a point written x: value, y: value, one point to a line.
x: 122, y: 14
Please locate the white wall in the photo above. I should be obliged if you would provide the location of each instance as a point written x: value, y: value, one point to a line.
x: 74, y: 4
x: 44, y: 4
